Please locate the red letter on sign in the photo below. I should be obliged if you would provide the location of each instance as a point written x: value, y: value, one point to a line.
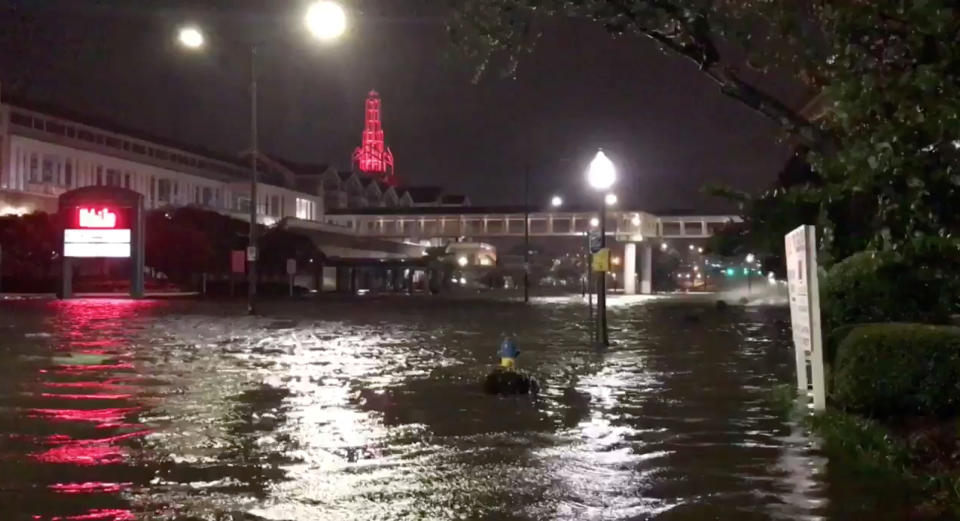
x: 103, y: 218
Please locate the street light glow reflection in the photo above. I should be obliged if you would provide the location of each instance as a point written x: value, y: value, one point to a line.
x: 326, y: 20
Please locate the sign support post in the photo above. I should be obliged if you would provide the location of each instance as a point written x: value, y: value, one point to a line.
x: 804, y: 286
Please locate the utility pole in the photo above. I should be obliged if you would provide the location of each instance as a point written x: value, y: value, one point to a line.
x: 526, y: 233
x: 252, y: 253
x: 602, y: 280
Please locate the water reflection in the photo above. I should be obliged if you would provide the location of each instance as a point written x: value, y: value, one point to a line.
x: 114, y: 410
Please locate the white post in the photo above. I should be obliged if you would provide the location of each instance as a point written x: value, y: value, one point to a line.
x: 801, y: 258
x: 630, y: 268
x: 646, y: 269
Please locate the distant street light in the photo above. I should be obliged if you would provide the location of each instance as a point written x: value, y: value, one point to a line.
x: 594, y: 222
x: 615, y: 261
x: 664, y: 246
x: 556, y: 201
x: 700, y: 250
x: 191, y: 37
x: 750, y: 258
x: 326, y: 20
x: 462, y: 261
x: 601, y: 175
x: 635, y: 220
x: 692, y: 247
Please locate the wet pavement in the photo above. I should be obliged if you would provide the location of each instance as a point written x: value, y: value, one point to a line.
x: 372, y: 409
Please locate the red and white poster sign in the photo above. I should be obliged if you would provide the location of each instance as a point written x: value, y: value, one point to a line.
x: 238, y: 261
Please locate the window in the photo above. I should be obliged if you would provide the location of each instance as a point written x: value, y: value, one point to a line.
x: 111, y: 142
x: 56, y: 128
x: 196, y: 194
x: 138, y: 149
x: 207, y: 197
x: 114, y: 177
x: 68, y: 173
x: 38, y: 123
x: 86, y: 135
x: 163, y: 190
x: 34, y: 169
x: 21, y: 119
x: 71, y: 132
x: 99, y: 175
x: 305, y: 209
x: 126, y: 180
x: 49, y: 166
x: 275, y: 205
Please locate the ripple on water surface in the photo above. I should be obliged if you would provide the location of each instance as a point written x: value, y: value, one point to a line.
x: 371, y: 409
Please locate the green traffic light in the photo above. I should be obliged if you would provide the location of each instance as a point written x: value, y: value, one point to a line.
x: 730, y: 272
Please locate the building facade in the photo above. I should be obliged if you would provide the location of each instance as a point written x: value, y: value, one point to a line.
x: 43, y: 155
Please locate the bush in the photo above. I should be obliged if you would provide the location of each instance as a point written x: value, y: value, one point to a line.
x: 883, y: 370
x: 870, y: 287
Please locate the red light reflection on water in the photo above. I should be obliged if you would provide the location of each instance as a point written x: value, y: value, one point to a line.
x: 109, y: 514
x: 109, y: 417
x: 99, y: 336
x: 90, y: 487
x: 86, y: 396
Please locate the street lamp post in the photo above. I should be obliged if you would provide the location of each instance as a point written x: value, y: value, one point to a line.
x: 326, y: 21
x: 252, y: 253
x: 601, y: 175
x: 526, y: 233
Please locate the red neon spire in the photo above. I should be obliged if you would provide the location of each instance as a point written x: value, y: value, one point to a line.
x: 372, y: 157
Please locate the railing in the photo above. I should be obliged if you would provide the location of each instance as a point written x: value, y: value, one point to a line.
x: 622, y: 225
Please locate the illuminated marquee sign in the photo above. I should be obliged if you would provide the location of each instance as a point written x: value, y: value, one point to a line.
x: 97, y: 233
x: 94, y: 218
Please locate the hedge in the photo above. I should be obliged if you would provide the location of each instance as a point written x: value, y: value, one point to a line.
x: 883, y: 370
x: 870, y: 287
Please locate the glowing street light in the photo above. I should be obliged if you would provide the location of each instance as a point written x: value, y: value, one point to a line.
x: 602, y: 174
x: 663, y: 246
x: 326, y: 20
x: 750, y: 258
x: 594, y: 222
x: 615, y: 261
x: 635, y: 220
x: 462, y: 261
x: 610, y: 199
x: 191, y: 37
x: 556, y: 201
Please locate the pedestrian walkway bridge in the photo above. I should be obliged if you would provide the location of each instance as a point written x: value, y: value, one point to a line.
x: 424, y: 223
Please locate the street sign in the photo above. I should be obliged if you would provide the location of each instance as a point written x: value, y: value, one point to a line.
x: 804, y: 287
x: 595, y: 240
x: 291, y: 266
x: 251, y: 254
x: 237, y: 262
x: 601, y: 260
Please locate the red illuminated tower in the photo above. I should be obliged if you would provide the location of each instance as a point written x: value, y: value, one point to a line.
x: 372, y: 157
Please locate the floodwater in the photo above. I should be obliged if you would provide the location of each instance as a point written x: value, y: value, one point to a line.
x: 372, y: 409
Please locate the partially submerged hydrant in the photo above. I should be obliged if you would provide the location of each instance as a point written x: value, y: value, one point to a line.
x: 505, y: 379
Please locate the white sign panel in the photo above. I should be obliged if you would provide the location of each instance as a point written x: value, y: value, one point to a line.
x: 801, y: 258
x: 92, y: 243
x: 291, y: 266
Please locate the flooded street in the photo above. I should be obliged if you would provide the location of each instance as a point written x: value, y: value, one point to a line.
x: 372, y: 409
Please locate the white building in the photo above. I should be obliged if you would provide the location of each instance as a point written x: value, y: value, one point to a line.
x: 43, y: 155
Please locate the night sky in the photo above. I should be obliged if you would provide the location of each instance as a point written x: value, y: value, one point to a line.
x: 667, y: 127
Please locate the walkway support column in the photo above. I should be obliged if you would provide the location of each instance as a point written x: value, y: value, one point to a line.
x: 646, y: 269
x: 630, y: 268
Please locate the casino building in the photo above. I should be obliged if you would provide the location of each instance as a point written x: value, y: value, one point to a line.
x: 45, y: 152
